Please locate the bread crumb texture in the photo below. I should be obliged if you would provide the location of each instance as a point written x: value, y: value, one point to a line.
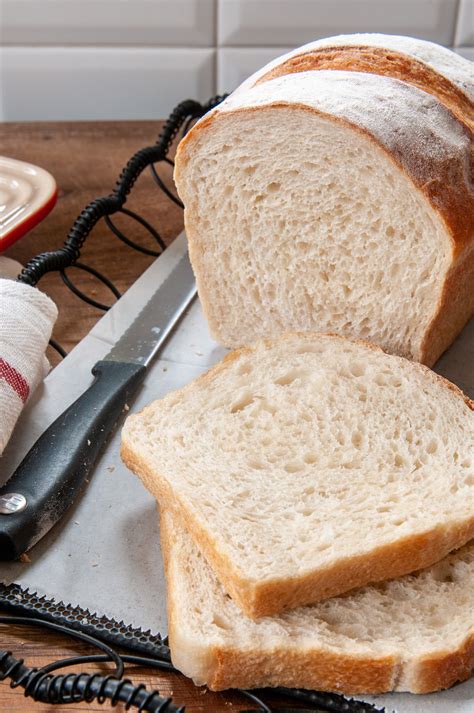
x: 306, y: 210
x: 310, y: 453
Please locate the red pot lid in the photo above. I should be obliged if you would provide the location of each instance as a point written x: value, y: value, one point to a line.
x: 27, y: 194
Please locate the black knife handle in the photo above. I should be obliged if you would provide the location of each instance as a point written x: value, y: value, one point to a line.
x: 52, y: 473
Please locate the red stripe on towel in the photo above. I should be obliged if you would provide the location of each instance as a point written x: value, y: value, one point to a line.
x: 14, y: 379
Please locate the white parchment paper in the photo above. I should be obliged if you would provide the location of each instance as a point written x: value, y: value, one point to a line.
x: 105, y: 556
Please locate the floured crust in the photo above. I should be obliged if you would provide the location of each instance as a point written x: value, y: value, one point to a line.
x: 377, y: 60
x: 222, y: 667
x: 444, y: 62
x: 257, y: 598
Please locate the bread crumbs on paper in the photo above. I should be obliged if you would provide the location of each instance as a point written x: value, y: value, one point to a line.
x: 24, y: 558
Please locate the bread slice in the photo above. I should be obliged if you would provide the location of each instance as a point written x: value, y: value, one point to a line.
x: 332, y: 201
x: 309, y: 465
x: 428, y: 66
x: 411, y: 634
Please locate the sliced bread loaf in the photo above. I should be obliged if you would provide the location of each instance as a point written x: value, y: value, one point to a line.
x: 428, y: 66
x: 309, y: 465
x: 332, y: 201
x: 411, y: 634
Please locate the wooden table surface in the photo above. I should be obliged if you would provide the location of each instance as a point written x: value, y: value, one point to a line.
x: 85, y: 158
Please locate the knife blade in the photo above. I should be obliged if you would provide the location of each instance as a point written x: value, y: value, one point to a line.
x: 53, y: 472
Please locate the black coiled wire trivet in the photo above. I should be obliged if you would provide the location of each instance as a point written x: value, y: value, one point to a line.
x: 58, y: 260
x: 43, y: 684
x: 60, y: 689
x: 103, y: 208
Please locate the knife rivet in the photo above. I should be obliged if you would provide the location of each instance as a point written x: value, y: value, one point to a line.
x: 11, y: 503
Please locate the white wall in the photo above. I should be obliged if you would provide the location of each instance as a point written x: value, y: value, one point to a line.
x: 135, y: 59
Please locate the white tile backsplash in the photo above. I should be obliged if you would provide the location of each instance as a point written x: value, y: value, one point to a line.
x: 275, y: 22
x: 103, y: 22
x: 234, y: 64
x: 98, y: 83
x: 99, y: 59
x: 465, y: 23
x: 467, y: 52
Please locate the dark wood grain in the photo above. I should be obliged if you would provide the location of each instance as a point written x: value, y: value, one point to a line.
x: 39, y: 647
x: 85, y: 158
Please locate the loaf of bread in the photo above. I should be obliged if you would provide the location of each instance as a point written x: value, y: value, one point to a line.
x: 411, y: 634
x: 309, y: 465
x: 336, y: 200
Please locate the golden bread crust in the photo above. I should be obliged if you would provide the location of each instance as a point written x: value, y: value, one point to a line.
x: 444, y: 669
x: 455, y: 309
x: 316, y: 669
x: 346, y: 674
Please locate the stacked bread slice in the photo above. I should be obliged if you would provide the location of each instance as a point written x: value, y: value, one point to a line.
x: 333, y: 191
x: 409, y: 634
x: 294, y: 471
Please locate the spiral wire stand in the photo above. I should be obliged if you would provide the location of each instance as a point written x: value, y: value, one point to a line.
x: 58, y: 688
x: 182, y: 117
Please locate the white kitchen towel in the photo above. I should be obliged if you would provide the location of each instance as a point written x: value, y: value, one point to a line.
x: 27, y: 317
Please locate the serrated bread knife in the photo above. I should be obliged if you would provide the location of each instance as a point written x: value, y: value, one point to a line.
x: 51, y: 475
